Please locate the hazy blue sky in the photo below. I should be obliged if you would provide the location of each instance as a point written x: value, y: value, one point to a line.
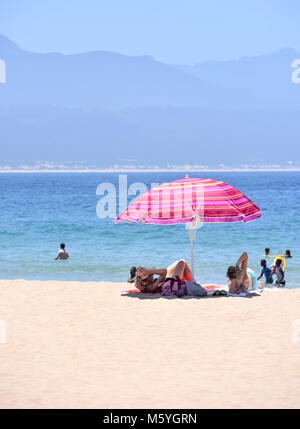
x: 175, y: 31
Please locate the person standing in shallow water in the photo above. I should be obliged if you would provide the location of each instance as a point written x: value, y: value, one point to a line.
x: 62, y: 253
x: 265, y: 271
x: 278, y: 270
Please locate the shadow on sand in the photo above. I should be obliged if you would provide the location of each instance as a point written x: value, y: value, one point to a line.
x: 141, y: 296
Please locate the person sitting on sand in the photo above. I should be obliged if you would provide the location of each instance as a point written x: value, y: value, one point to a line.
x: 265, y: 271
x: 62, y: 253
x: 242, y: 279
x: 278, y: 270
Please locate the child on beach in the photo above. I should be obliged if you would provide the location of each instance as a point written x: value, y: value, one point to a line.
x: 265, y: 271
x: 278, y: 270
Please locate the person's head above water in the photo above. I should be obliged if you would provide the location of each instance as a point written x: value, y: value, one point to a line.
x: 267, y: 250
x: 133, y: 270
x: 263, y: 262
x: 288, y: 254
x: 278, y: 262
x: 62, y: 246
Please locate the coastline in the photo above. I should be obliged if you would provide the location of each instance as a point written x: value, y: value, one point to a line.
x: 90, y: 345
x: 107, y: 170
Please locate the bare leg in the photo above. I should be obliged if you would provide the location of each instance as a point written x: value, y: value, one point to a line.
x: 181, y: 269
x: 172, y: 267
x: 187, y: 274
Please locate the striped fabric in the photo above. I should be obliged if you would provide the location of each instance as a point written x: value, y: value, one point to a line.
x: 182, y: 200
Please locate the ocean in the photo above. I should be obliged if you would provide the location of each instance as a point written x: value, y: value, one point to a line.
x: 40, y: 210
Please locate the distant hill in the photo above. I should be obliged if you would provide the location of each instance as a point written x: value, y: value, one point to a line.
x: 102, y: 79
x: 266, y: 77
x: 103, y: 108
x: 113, y: 81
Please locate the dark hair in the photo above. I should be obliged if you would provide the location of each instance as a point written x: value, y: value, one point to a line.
x: 142, y: 284
x: 231, y: 272
x: 278, y: 262
x: 62, y: 245
x: 288, y: 254
x: 267, y: 250
x: 263, y: 262
x: 132, y: 273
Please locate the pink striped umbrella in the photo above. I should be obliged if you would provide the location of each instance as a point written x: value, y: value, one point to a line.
x: 190, y: 200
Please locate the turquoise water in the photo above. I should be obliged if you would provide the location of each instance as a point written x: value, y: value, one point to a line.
x: 38, y: 211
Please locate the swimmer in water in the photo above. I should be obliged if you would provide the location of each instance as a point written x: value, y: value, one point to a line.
x: 62, y: 253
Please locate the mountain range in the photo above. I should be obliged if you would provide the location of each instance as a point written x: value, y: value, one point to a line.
x: 104, y: 107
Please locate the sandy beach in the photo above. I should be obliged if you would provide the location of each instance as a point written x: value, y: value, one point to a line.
x: 89, y: 345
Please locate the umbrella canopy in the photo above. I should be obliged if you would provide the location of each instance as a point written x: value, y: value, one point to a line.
x: 182, y: 200
x: 191, y: 200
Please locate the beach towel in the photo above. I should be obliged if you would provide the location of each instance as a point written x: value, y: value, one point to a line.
x: 237, y: 294
x: 253, y: 276
x: 210, y: 288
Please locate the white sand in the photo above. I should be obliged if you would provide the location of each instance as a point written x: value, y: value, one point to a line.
x: 84, y: 345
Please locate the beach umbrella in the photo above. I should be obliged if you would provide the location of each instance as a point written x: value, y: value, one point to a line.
x: 192, y: 201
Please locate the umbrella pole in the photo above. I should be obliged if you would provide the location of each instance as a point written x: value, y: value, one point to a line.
x: 192, y: 238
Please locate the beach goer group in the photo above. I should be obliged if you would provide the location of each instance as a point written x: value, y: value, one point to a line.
x: 177, y: 279
x: 277, y: 268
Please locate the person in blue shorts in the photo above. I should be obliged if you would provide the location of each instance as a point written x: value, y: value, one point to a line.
x: 265, y: 271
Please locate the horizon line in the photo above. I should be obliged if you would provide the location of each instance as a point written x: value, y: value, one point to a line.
x: 152, y: 170
x: 173, y: 64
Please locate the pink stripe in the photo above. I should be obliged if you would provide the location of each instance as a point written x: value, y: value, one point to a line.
x: 166, y: 205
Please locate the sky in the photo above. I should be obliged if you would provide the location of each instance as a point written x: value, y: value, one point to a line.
x: 172, y: 31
